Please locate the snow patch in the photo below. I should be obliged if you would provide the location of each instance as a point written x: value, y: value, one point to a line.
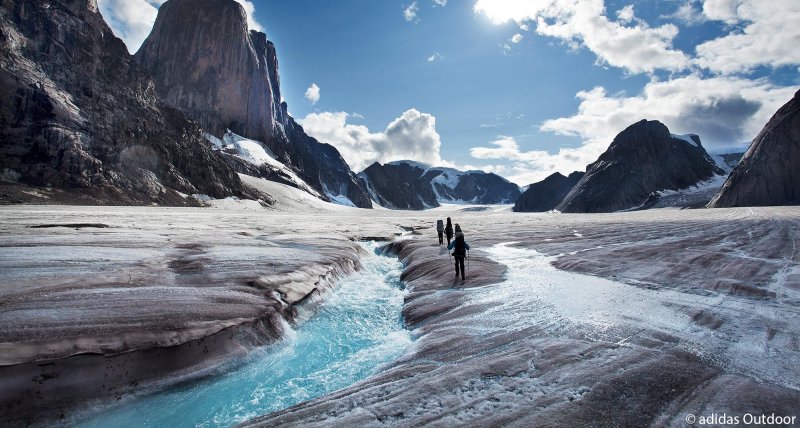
x: 337, y: 197
x: 257, y: 154
x: 713, y: 183
x: 425, y: 167
x: 216, y: 143
x: 292, y: 199
x: 687, y: 138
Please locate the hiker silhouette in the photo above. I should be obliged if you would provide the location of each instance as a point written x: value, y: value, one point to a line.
x: 448, y: 231
x: 460, y: 247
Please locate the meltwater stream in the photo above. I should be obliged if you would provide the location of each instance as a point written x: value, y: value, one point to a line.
x: 355, y: 331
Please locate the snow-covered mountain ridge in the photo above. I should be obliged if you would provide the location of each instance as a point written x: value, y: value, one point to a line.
x: 414, y: 185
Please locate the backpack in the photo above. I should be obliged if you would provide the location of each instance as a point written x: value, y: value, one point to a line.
x: 459, y: 249
x: 439, y: 226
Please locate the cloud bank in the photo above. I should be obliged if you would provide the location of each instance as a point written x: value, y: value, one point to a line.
x: 725, y: 111
x: 707, y: 92
x: 582, y: 23
x: 410, y: 136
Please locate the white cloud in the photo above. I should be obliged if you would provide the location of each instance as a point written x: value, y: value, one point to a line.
x: 526, y: 167
x: 626, y: 14
x: 440, y: 2
x: 132, y: 20
x: 411, y: 136
x: 410, y: 13
x: 312, y: 93
x: 638, y: 48
x: 250, y: 8
x: 435, y: 56
x: 770, y: 35
x: 760, y: 33
x: 725, y: 111
x: 516, y: 38
x: 688, y: 14
x: 722, y: 10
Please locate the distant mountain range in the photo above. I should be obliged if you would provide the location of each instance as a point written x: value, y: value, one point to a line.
x: 415, y: 186
x: 84, y: 122
x: 644, y: 167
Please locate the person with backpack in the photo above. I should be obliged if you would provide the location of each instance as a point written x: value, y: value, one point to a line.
x: 440, y: 231
x: 448, y: 231
x: 460, y: 248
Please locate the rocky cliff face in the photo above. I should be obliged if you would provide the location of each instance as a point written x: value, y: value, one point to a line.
x: 78, y: 115
x: 475, y: 187
x: 769, y: 173
x: 415, y: 186
x: 548, y: 193
x: 641, y: 161
x: 400, y: 186
x: 206, y: 63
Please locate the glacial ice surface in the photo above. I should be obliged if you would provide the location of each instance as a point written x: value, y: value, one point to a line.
x: 350, y: 335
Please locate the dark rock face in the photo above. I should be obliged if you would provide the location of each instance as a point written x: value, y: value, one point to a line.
x: 769, y: 172
x: 642, y: 160
x: 401, y: 186
x: 206, y: 63
x: 322, y: 166
x: 731, y: 159
x: 475, y: 187
x: 548, y: 193
x: 410, y: 185
x: 77, y: 113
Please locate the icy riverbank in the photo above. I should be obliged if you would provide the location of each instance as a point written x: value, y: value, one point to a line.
x: 155, y: 296
x: 351, y: 333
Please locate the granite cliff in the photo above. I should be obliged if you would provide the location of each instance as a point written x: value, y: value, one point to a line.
x: 769, y: 173
x: 643, y: 160
x: 206, y: 63
x: 81, y: 122
x: 545, y: 195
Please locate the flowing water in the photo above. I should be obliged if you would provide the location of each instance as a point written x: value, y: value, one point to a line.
x: 356, y: 330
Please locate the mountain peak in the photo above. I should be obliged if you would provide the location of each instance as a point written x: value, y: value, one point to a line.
x: 642, y: 159
x: 206, y: 62
x: 767, y: 174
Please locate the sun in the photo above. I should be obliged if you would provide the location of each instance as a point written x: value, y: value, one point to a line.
x: 500, y: 11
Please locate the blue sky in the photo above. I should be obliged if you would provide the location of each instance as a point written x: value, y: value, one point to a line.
x: 521, y: 88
